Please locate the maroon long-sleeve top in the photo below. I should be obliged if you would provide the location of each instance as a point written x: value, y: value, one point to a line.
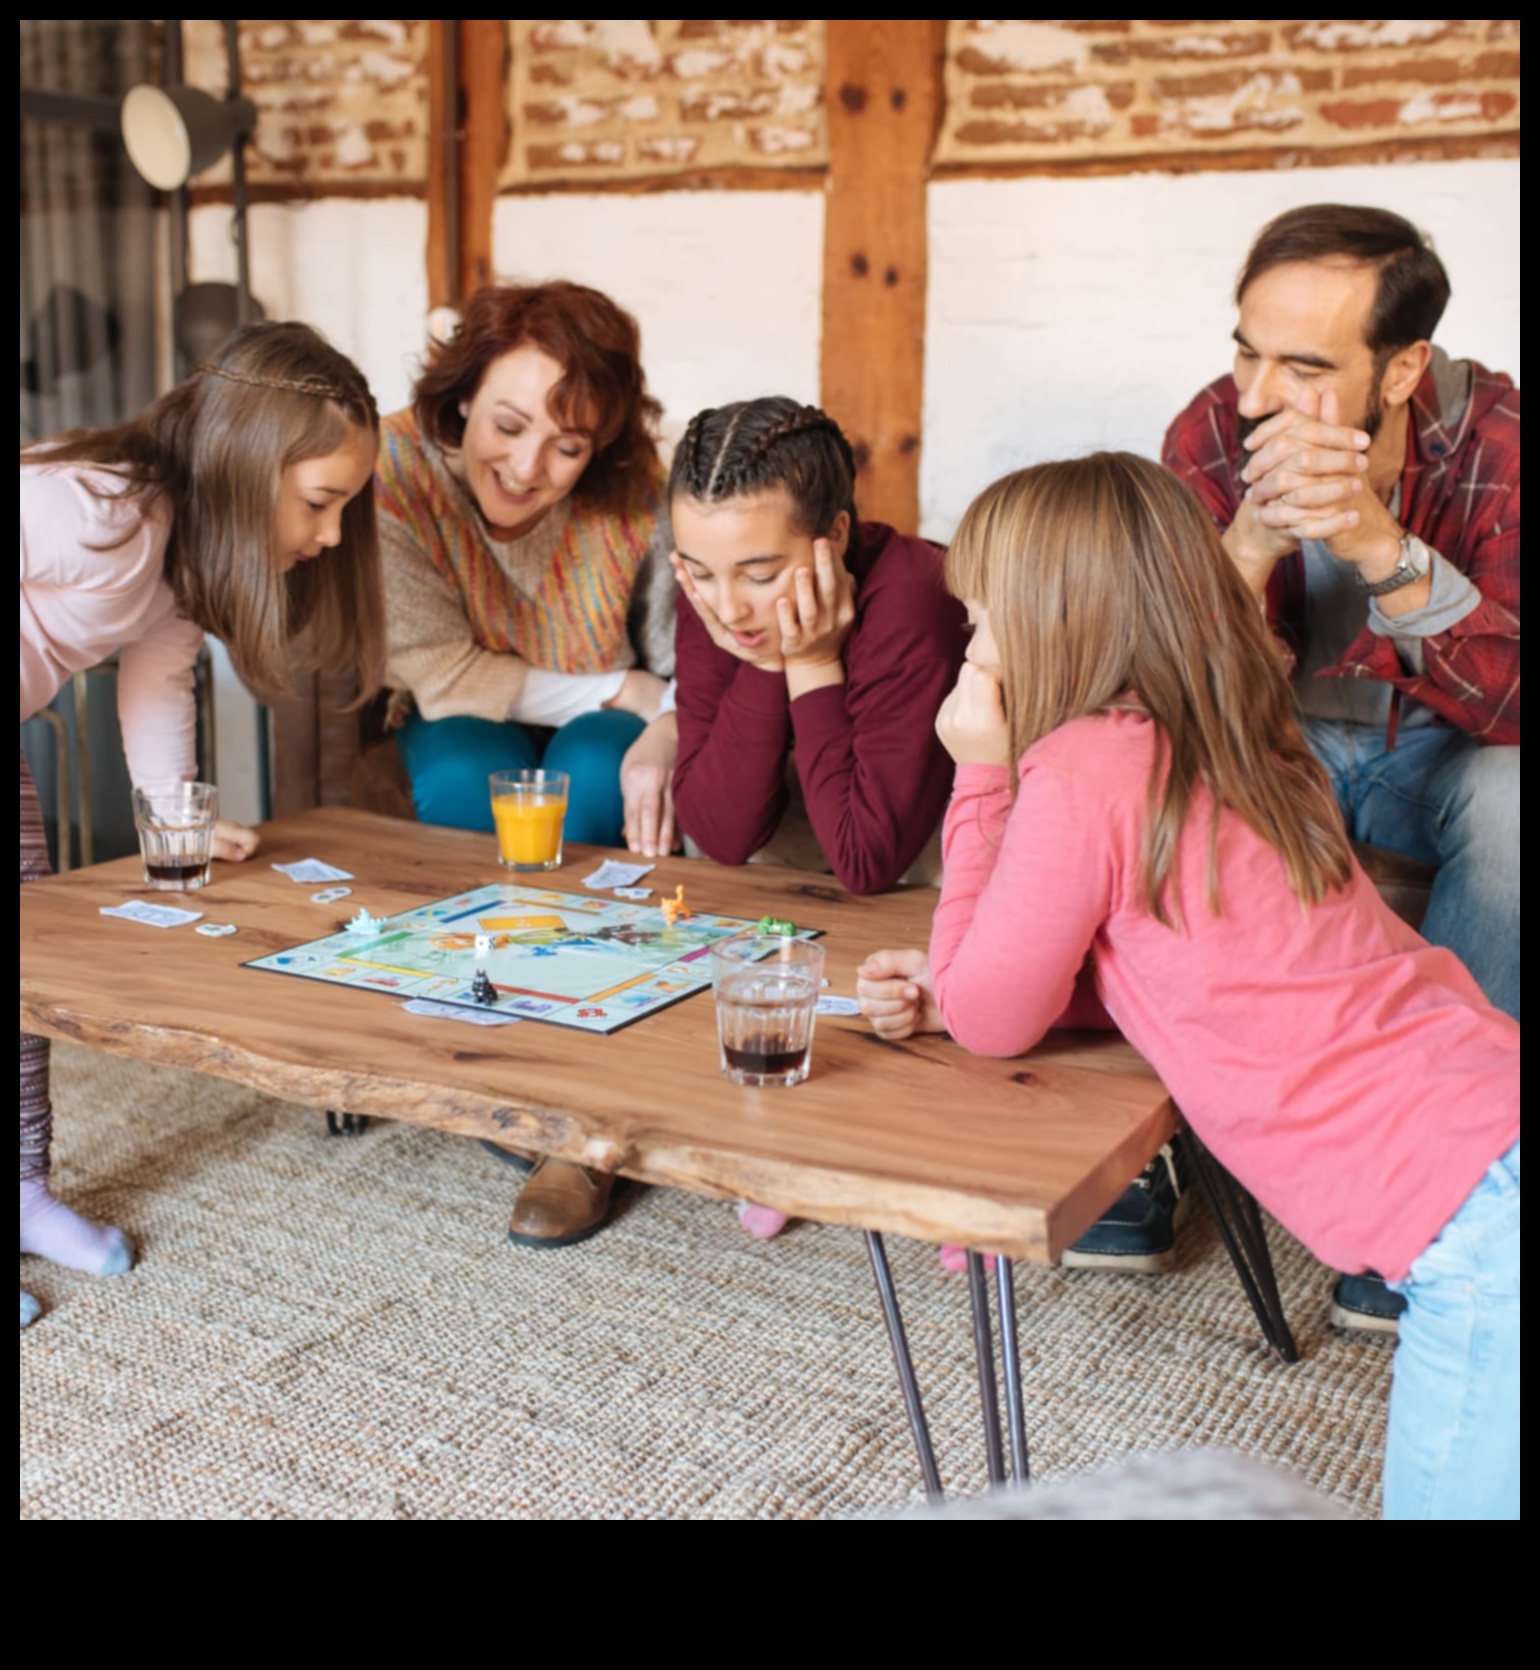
x: 873, y: 772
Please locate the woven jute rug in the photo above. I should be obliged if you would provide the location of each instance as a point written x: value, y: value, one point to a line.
x: 337, y: 1329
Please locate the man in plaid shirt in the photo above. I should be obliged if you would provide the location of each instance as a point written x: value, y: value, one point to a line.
x: 1367, y: 488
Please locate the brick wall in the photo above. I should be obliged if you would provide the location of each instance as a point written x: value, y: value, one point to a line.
x: 612, y: 99
x: 341, y: 102
x: 1037, y: 91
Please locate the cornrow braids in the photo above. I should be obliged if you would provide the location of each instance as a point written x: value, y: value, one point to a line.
x: 757, y: 446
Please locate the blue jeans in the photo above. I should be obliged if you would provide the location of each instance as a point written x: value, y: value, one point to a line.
x: 450, y: 760
x: 1445, y: 800
x: 1452, y: 1444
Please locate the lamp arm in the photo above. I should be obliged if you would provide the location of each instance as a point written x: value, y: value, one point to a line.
x: 80, y: 109
x: 244, y: 310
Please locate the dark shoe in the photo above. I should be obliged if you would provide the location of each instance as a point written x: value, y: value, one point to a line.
x: 519, y: 1162
x: 1139, y: 1232
x: 1364, y: 1301
x: 560, y: 1205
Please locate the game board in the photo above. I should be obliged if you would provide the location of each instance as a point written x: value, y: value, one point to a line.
x: 594, y: 963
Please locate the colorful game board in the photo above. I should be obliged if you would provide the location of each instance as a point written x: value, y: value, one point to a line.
x: 593, y: 963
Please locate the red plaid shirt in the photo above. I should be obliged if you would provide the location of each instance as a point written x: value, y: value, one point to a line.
x: 1459, y: 494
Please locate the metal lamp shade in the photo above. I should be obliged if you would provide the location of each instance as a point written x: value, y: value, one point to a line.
x: 172, y: 133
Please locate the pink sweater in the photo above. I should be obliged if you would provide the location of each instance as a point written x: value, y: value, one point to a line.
x: 1348, y: 1074
x: 85, y: 597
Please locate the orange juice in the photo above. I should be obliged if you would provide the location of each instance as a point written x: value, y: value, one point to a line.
x: 529, y: 828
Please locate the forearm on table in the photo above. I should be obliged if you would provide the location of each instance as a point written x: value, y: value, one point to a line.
x: 730, y: 779
x: 873, y: 797
x: 1014, y: 922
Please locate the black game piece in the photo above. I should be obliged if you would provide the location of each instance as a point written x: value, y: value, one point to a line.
x: 482, y: 989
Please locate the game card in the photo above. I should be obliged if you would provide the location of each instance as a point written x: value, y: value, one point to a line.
x: 827, y: 1005
x: 453, y: 1012
x: 612, y: 873
x: 311, y: 870
x: 154, y: 916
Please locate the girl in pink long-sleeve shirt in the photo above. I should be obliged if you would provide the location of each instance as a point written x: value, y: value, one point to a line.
x: 204, y: 514
x: 1166, y: 849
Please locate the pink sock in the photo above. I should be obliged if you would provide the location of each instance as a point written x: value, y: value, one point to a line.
x: 955, y: 1259
x: 52, y: 1231
x: 761, y: 1221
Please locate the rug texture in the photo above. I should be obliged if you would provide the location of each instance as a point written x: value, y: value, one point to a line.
x: 325, y: 1328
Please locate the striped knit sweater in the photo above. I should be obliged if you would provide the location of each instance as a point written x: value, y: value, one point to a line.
x: 584, y: 593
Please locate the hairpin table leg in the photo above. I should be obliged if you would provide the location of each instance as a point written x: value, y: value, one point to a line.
x: 1010, y: 1363
x: 888, y: 1296
x: 984, y: 1355
x: 1245, y: 1238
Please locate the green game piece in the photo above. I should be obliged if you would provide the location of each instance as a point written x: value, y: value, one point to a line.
x: 774, y: 925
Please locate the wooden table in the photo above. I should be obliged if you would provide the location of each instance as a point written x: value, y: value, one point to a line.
x: 1013, y: 1157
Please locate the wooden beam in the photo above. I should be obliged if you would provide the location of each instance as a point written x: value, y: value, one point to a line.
x: 883, y: 101
x: 443, y: 182
x: 484, y: 144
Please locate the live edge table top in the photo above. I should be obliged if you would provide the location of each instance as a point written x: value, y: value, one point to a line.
x: 920, y: 1138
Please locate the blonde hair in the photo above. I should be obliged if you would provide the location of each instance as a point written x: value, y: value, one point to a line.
x: 214, y: 449
x: 1106, y: 585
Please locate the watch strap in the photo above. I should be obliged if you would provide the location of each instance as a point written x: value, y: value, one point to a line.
x: 1414, y: 562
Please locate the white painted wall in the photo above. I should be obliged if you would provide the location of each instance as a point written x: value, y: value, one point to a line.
x: 1063, y: 314
x: 1069, y: 314
x: 726, y: 285
x: 356, y: 269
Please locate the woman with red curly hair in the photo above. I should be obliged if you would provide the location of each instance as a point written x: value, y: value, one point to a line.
x: 528, y: 594
x: 529, y: 599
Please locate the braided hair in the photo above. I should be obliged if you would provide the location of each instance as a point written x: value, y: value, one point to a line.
x: 755, y: 446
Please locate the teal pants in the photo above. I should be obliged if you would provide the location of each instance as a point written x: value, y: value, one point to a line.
x: 450, y: 760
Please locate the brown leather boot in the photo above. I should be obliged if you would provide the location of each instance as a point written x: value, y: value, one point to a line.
x: 560, y: 1205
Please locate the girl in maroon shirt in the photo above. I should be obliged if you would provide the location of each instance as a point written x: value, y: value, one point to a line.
x: 804, y: 634
x: 807, y: 635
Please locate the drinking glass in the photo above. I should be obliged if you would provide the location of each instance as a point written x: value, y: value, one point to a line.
x: 528, y: 810
x: 175, y: 822
x: 766, y: 988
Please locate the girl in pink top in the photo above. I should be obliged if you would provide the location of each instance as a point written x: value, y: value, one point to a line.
x: 207, y: 513
x: 1166, y: 850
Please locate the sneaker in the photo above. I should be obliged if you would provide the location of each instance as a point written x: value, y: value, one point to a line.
x: 1139, y: 1232
x: 1365, y: 1301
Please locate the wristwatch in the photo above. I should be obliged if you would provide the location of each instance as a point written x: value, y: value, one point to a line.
x: 1415, y: 561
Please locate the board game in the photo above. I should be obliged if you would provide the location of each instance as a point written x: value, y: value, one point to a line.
x: 597, y: 963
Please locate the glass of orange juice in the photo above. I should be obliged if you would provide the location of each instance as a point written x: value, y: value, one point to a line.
x: 528, y: 808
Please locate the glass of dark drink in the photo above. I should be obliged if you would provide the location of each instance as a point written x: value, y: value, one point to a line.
x: 176, y: 834
x: 766, y: 988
